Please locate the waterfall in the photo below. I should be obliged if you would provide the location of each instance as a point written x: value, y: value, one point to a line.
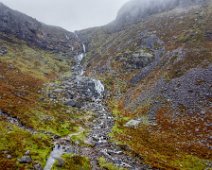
x: 84, y: 48
x: 99, y: 87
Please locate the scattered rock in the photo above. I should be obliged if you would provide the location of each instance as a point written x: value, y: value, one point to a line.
x: 133, y: 123
x: 27, y: 152
x: 25, y: 159
x: 3, y: 51
x: 74, y: 104
x: 9, y: 156
x: 4, y: 152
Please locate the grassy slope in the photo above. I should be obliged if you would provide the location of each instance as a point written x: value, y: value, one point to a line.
x: 169, y: 145
x: 23, y: 71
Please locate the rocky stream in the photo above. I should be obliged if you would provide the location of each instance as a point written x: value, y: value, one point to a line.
x: 88, y: 94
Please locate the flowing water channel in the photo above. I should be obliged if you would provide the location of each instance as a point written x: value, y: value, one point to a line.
x: 101, y: 127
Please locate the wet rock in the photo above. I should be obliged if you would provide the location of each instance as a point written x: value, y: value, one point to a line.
x: 3, y: 51
x: 133, y: 123
x: 27, y: 152
x: 115, y: 152
x: 9, y: 156
x: 74, y: 104
x: 25, y: 159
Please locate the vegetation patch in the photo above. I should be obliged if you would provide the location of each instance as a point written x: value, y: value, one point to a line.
x: 15, y: 142
x: 74, y: 162
x: 107, y: 165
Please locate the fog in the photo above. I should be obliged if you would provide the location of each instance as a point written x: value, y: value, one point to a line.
x: 145, y: 7
x: 69, y: 14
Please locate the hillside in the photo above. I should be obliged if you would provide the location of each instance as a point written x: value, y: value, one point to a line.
x: 158, y: 75
x: 36, y: 33
x: 32, y: 55
x: 133, y: 94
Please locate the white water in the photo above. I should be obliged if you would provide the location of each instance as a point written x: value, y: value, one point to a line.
x: 80, y: 57
x: 99, y: 87
x: 55, y: 155
x: 67, y: 37
x: 60, y: 149
x: 84, y: 48
x: 76, y: 35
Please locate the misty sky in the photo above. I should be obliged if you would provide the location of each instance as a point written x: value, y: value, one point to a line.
x: 69, y: 14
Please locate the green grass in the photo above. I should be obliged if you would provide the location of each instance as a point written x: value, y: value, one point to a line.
x: 74, y: 162
x: 109, y: 166
x: 190, y: 162
x: 17, y: 141
x: 35, y: 61
x: 26, y: 69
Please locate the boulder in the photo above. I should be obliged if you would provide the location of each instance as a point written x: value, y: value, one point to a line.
x: 133, y: 123
x: 25, y: 159
x: 9, y: 156
x: 27, y: 152
x: 3, y: 51
x: 73, y: 103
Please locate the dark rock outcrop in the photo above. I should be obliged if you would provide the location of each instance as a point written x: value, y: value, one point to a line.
x: 36, y: 33
x: 136, y: 60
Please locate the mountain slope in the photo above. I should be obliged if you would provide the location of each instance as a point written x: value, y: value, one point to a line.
x: 158, y: 75
x: 156, y: 67
x: 32, y: 55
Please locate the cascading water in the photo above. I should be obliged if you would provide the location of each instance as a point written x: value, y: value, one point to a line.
x: 90, y: 93
x: 99, y: 87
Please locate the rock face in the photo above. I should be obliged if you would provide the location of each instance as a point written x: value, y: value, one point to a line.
x: 29, y: 29
x: 136, y: 60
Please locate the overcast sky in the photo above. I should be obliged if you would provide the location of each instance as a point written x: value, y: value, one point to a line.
x: 69, y: 14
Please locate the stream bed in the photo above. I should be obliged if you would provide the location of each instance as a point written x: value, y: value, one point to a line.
x: 87, y: 94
